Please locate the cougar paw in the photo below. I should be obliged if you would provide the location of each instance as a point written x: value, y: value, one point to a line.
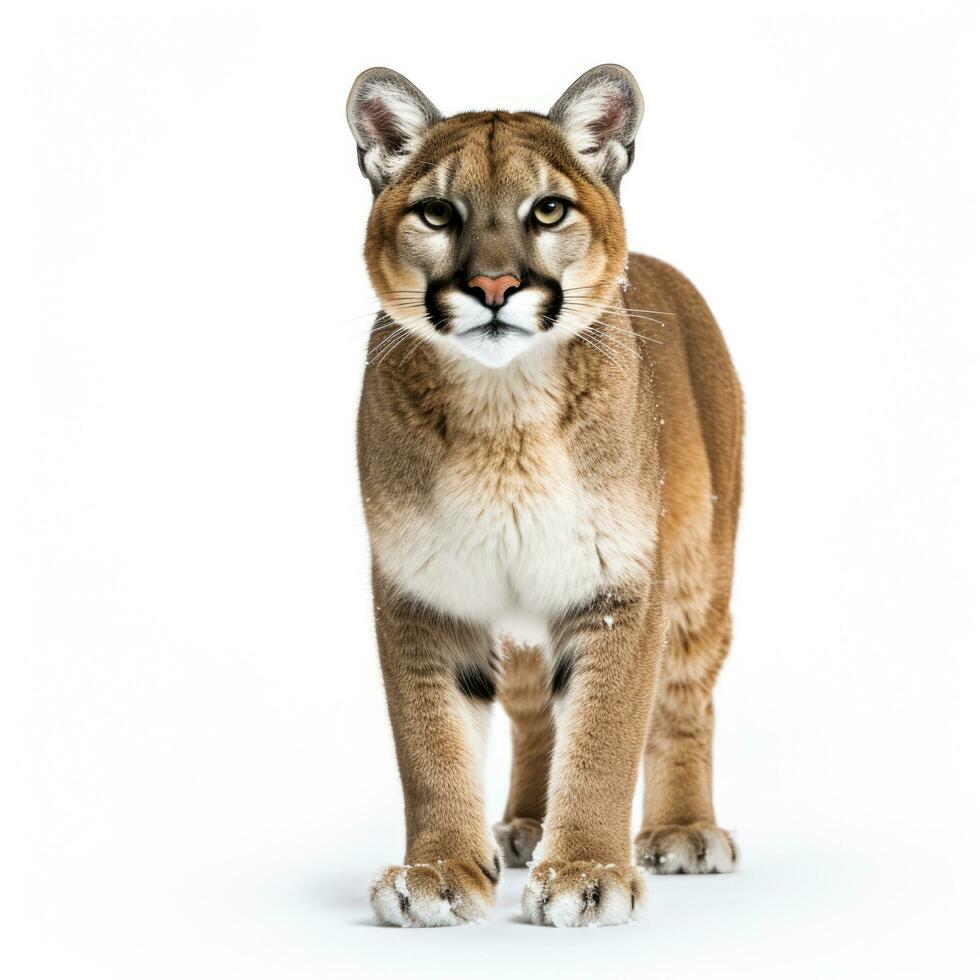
x: 694, y: 849
x: 517, y: 839
x: 446, y: 893
x: 582, y: 893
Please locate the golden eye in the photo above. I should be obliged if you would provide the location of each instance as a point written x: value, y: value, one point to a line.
x: 437, y: 214
x: 549, y: 211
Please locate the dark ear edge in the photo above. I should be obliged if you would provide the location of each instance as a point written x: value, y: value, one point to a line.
x: 388, y: 116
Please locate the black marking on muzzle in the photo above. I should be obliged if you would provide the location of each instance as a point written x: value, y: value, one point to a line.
x: 554, y: 297
x: 439, y: 316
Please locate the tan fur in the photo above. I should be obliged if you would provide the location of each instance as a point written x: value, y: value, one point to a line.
x: 633, y: 425
x: 524, y: 693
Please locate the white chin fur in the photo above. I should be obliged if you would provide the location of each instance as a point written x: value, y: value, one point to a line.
x: 493, y: 352
x: 520, y: 311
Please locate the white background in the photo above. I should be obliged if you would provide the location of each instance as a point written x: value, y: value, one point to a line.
x: 202, y: 781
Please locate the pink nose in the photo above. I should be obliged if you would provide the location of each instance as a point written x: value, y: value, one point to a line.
x: 494, y: 290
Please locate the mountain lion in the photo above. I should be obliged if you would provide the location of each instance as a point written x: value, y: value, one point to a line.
x: 549, y: 444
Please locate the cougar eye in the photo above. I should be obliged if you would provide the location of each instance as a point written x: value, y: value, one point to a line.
x: 549, y: 211
x: 437, y: 214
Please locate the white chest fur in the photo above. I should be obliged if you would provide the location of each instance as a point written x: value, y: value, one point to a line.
x: 517, y: 541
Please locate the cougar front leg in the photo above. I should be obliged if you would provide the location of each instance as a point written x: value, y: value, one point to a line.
x: 679, y: 834
x: 607, y: 656
x: 439, y: 689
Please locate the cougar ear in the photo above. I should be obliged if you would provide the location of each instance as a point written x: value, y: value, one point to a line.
x: 387, y: 115
x: 599, y: 115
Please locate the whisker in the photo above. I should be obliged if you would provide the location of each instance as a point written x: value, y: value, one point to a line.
x: 407, y: 334
x: 583, y: 336
x: 405, y: 305
x: 389, y: 344
x: 639, y: 314
x: 607, y: 282
x: 398, y: 330
x: 385, y: 322
x: 629, y: 333
x: 406, y: 321
x: 652, y: 340
x: 597, y: 345
x: 376, y: 312
x: 376, y: 301
x: 412, y: 349
x: 631, y: 309
x: 595, y: 285
x: 618, y: 309
x: 622, y: 345
x: 600, y: 341
x: 632, y: 333
x: 420, y: 341
x: 386, y: 341
x: 354, y: 319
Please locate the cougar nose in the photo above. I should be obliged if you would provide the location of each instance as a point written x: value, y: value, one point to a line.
x: 494, y: 291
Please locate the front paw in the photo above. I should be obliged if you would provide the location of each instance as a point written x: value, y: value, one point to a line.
x: 582, y: 893
x: 677, y: 849
x: 447, y: 893
x: 517, y: 839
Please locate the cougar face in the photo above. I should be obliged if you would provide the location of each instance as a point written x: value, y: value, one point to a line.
x: 491, y: 232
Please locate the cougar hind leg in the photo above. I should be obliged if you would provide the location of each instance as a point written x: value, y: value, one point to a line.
x: 525, y: 693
